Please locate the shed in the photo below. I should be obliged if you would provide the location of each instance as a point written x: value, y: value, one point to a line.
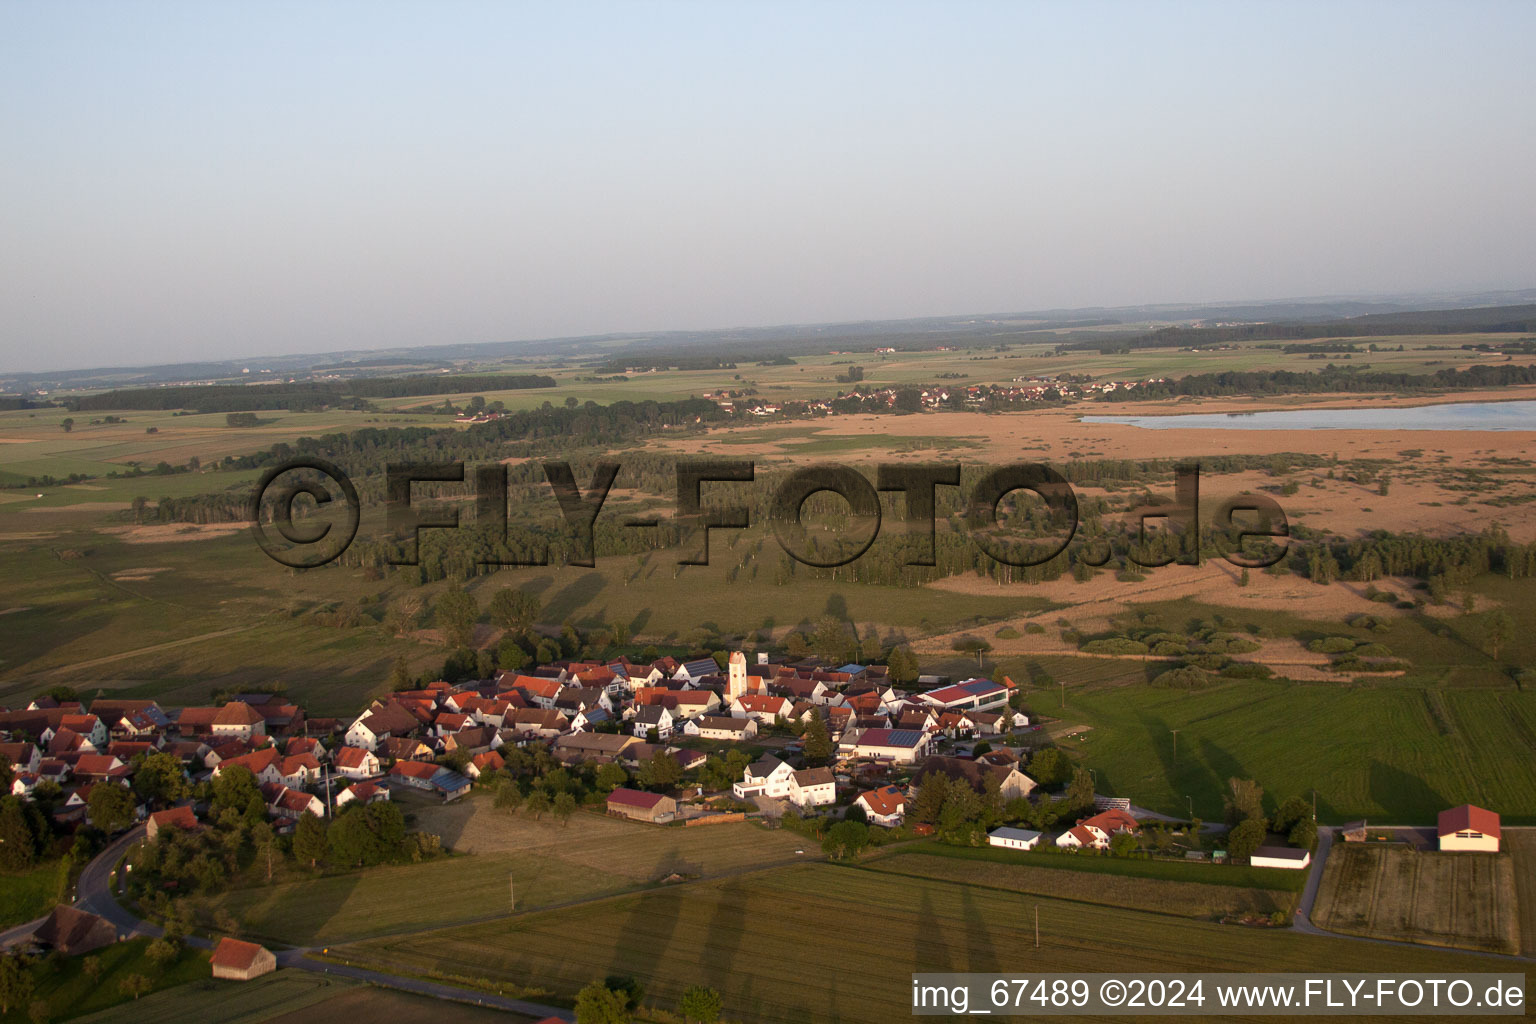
x: 1354, y: 832
x: 72, y: 931
x: 639, y: 806
x: 1280, y: 857
x: 241, y: 961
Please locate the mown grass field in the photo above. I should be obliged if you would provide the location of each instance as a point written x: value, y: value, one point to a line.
x: 1465, y: 900
x: 68, y: 991
x: 210, y: 1001
x: 291, y: 997
x: 547, y: 863
x: 822, y: 943
x: 1201, y: 873
x: 25, y: 895
x: 1041, y: 876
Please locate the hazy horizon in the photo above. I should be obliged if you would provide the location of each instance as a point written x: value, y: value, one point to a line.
x: 192, y: 182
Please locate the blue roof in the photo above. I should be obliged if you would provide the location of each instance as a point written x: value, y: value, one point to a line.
x: 617, y: 668
x: 448, y: 781
x: 980, y: 686
x: 852, y: 669
x: 702, y: 667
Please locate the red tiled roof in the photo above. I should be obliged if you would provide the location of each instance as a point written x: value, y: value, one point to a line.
x: 885, y: 800
x: 234, y: 954
x: 1469, y: 817
x: 634, y: 798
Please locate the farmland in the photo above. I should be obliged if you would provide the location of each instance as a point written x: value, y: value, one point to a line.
x: 1465, y: 900
x: 765, y: 943
x: 1046, y: 875
x: 545, y: 863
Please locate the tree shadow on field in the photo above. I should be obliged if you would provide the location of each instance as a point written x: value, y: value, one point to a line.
x: 1194, y: 775
x: 299, y: 913
x: 1223, y: 766
x: 639, y: 622
x: 837, y: 607
x: 1405, y: 798
x: 981, y: 951
x: 722, y: 941
x: 573, y: 597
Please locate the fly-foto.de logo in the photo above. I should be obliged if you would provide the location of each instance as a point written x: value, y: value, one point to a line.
x: 312, y: 542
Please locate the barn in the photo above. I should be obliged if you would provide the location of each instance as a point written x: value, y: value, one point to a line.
x: 1013, y: 838
x: 632, y: 803
x: 1469, y: 827
x: 241, y: 961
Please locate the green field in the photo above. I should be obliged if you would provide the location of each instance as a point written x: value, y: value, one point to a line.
x: 818, y: 942
x: 26, y: 895
x: 68, y: 991
x: 543, y: 862
x: 1044, y: 875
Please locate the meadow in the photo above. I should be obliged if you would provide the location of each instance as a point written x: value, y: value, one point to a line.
x: 1391, y: 891
x: 817, y: 942
x: 543, y: 863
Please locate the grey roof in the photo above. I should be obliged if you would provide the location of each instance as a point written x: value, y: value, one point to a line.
x: 1023, y: 835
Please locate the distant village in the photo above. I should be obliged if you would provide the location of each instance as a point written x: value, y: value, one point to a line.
x: 1021, y: 391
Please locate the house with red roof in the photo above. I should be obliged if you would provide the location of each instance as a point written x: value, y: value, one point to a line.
x: 1469, y: 828
x: 241, y: 961
x: 176, y: 817
x: 886, y: 806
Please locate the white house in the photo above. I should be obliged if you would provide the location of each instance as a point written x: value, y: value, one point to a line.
x: 885, y: 806
x: 902, y: 746
x: 812, y: 787
x: 1013, y: 838
x: 768, y: 777
x: 653, y: 716
x: 1083, y: 837
x: 711, y: 727
x: 356, y: 762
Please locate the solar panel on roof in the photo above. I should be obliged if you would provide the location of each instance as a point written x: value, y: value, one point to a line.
x: 904, y: 737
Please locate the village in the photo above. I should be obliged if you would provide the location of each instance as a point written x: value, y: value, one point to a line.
x: 838, y: 753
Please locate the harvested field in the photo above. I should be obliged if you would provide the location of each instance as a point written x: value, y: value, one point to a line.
x: 1466, y: 900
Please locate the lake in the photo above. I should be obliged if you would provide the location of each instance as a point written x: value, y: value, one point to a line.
x: 1451, y: 416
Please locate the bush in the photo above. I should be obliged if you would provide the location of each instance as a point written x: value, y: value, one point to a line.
x: 1115, y: 645
x: 1184, y: 677
x: 1033, y: 627
x: 1246, y: 670
x: 1331, y: 645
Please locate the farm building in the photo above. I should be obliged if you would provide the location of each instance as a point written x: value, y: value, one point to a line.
x: 1469, y: 827
x: 632, y: 803
x: 178, y: 817
x: 1354, y: 832
x: 1280, y: 857
x: 74, y: 932
x: 241, y: 961
x: 1013, y: 838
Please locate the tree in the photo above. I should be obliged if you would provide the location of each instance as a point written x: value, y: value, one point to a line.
x: 514, y: 610
x: 91, y: 965
x: 111, y: 807
x: 845, y: 840
x: 1247, y: 837
x: 18, y: 840
x: 15, y: 983
x: 1304, y: 835
x: 1050, y: 767
x: 400, y: 676
x: 661, y: 771
x: 700, y: 1004
x: 134, y: 985
x: 367, y: 835
x: 902, y: 665
x: 1293, y: 810
x: 508, y: 796
x: 161, y: 778
x: 456, y: 612
x: 68, y: 424
x: 39, y: 1012
x: 1122, y: 844
x: 818, y: 745
x: 564, y: 806
x: 510, y: 655
x: 1079, y: 795
x: 537, y: 804
x: 1497, y: 629
x: 310, y: 839
x: 1245, y: 801
x: 832, y: 640
x: 599, y: 1004
x: 235, y: 788
x: 161, y: 952
x: 610, y: 777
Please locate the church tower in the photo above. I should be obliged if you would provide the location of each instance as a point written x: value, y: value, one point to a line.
x: 736, y: 676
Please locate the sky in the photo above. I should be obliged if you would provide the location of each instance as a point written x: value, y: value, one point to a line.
x: 196, y: 180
